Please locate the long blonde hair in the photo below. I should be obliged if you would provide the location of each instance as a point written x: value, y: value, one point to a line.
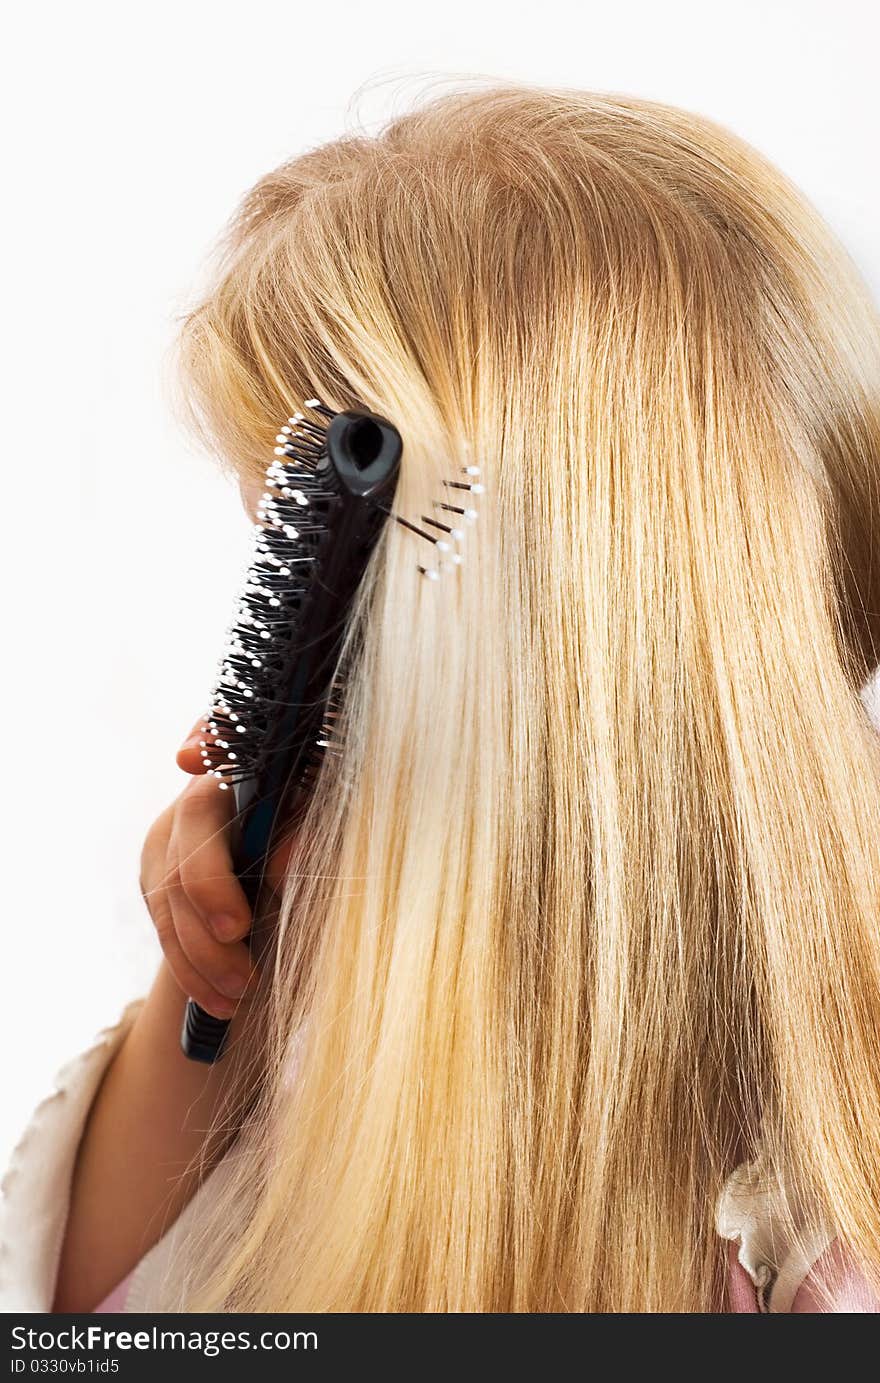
x: 588, y: 911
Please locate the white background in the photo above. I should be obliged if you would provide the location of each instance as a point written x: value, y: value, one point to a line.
x: 131, y: 132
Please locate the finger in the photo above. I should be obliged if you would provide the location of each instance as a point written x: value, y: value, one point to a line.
x: 191, y: 982
x: 227, y: 968
x: 154, y: 854
x: 201, y: 841
x: 189, y: 755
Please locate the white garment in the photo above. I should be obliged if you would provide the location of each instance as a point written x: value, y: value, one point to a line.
x: 36, y: 1194
x: 36, y: 1187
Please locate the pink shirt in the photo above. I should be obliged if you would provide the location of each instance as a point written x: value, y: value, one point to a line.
x: 848, y: 1291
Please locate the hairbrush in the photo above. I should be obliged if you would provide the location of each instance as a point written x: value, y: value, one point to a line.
x: 275, y: 701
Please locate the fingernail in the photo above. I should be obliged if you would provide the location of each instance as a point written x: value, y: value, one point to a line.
x: 224, y: 927
x: 233, y: 985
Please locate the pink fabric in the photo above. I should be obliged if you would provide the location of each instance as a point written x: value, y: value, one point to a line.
x: 833, y: 1285
x: 741, y: 1292
x: 116, y: 1299
x: 848, y: 1290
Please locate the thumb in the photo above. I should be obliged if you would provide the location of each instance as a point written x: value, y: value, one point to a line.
x: 189, y: 756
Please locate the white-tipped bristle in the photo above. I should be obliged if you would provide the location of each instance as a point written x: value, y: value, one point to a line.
x: 478, y: 489
x: 313, y: 403
x: 279, y: 451
x: 472, y: 470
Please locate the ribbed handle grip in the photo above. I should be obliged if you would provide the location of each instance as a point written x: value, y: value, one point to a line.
x: 203, y: 1037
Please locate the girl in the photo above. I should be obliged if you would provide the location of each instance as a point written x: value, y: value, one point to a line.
x: 575, y: 998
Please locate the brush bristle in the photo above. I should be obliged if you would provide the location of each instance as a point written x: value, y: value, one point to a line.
x: 291, y: 529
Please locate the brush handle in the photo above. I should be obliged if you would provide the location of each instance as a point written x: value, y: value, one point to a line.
x: 203, y: 1037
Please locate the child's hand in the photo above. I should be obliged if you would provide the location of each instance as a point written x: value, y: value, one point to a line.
x: 198, y: 907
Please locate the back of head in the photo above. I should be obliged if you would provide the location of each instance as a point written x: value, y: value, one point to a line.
x: 586, y: 912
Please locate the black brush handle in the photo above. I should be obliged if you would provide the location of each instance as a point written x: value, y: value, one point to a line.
x: 363, y: 454
x: 203, y: 1037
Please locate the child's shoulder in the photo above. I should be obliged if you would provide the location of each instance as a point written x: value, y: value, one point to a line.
x: 784, y: 1255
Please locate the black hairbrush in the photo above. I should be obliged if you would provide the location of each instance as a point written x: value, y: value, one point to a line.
x: 328, y: 496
